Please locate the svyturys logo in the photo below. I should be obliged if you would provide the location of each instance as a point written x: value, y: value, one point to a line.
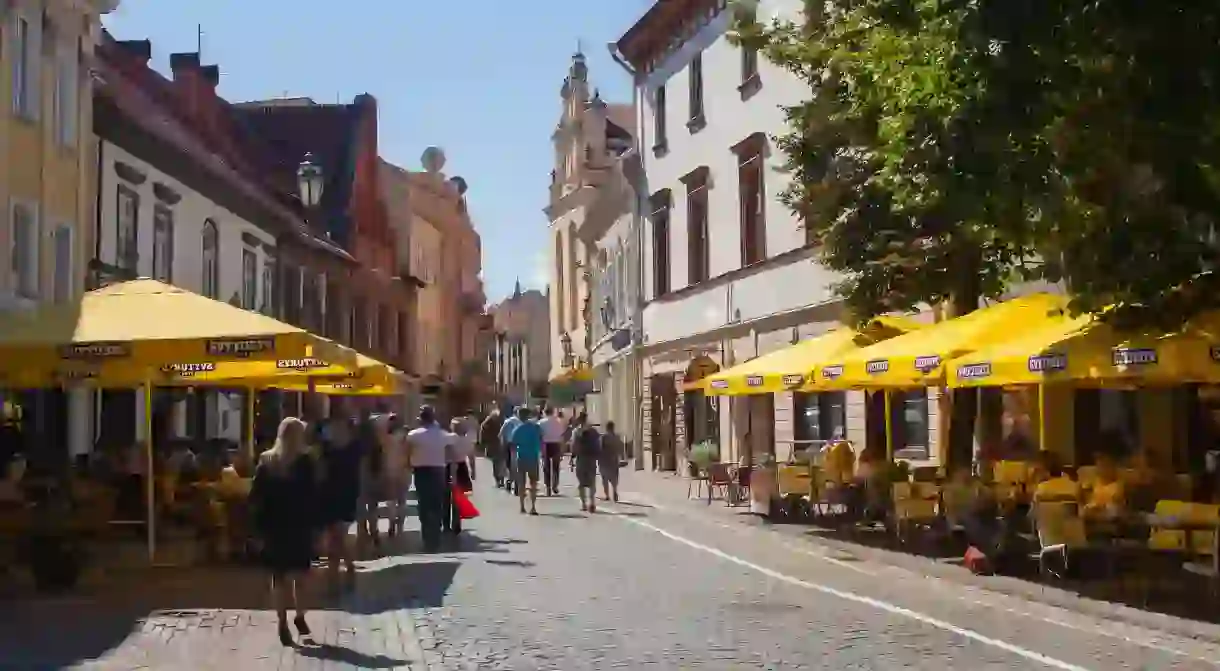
x: 300, y: 364
x: 926, y: 363
x: 832, y: 372
x: 1125, y: 356
x: 974, y: 371
x: 794, y: 380
x: 95, y: 350
x: 719, y: 384
x: 877, y: 366
x: 239, y: 347
x: 1045, y: 363
x: 754, y: 380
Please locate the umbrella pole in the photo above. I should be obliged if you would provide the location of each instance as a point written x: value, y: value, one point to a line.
x: 250, y: 424
x: 150, y: 477
x: 889, y: 427
x: 1041, y: 416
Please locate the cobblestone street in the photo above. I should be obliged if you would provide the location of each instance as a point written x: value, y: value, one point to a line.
x: 638, y: 586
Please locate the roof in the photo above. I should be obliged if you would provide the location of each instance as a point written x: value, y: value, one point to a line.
x: 654, y: 33
x: 145, y: 98
x: 290, y: 131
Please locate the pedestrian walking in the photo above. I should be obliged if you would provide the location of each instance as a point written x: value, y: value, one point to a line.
x: 587, y: 446
x: 553, y: 430
x: 527, y: 444
x: 609, y: 460
x: 372, y: 490
x: 489, y: 440
x: 339, y: 496
x: 429, y: 446
x: 397, y: 468
x: 460, y: 473
x: 569, y: 439
x: 506, y: 443
x: 281, y: 498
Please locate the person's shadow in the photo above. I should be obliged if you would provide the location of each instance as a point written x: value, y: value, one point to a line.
x: 347, y: 656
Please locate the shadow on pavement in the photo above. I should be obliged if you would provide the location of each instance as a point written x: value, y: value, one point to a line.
x: 334, y: 653
x: 510, y: 562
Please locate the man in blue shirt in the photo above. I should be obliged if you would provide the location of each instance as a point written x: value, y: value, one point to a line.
x: 506, y: 445
x: 527, y: 441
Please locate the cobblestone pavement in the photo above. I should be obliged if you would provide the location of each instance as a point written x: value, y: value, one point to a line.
x: 632, y: 587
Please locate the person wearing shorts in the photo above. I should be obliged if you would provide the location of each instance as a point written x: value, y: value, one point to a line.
x: 506, y: 447
x: 527, y: 443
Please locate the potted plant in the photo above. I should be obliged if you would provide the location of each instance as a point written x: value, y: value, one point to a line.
x: 702, y: 456
x: 50, y: 548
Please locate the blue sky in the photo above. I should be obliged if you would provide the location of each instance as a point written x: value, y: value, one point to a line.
x: 479, y: 78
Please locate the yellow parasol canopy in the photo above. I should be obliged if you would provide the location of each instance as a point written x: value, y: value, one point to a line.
x: 297, y: 373
x: 125, y: 333
x: 917, y: 358
x: 794, y: 367
x: 1084, y: 351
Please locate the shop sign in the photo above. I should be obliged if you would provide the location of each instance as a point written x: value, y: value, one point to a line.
x: 877, y: 366
x: 300, y: 364
x: 719, y: 384
x: 794, y: 380
x: 974, y: 371
x: 754, y: 380
x: 1124, y: 356
x: 1045, y: 363
x: 239, y: 347
x: 95, y: 350
x: 925, y: 364
x: 832, y: 372
x: 187, y: 369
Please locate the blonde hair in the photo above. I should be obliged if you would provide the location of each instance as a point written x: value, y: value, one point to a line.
x: 285, y: 452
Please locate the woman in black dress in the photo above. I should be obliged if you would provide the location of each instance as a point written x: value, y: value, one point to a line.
x: 284, y: 488
x: 340, y: 495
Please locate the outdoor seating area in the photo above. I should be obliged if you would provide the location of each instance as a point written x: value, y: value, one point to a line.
x: 1048, y: 489
x: 177, y: 501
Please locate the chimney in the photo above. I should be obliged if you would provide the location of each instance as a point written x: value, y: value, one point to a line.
x: 210, y: 74
x: 138, y: 50
x: 183, y: 63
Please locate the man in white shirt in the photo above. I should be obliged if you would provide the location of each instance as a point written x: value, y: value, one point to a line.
x: 553, y: 429
x: 430, y: 447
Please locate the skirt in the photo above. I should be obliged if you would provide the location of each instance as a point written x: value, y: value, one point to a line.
x: 586, y: 473
x: 287, y: 553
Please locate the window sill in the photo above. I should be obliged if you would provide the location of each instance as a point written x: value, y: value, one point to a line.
x: 696, y: 123
x: 749, y: 86
x: 660, y: 149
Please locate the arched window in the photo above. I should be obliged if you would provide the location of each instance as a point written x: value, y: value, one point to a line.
x: 211, y: 260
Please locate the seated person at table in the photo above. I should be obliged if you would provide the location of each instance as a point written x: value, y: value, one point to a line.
x: 839, y: 461
x: 1108, y: 497
x: 1054, y: 484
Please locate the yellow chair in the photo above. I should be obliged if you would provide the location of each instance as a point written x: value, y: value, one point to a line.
x: 1060, y: 530
x: 915, y: 504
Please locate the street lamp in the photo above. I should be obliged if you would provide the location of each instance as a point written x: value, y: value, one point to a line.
x: 310, y: 181
x: 565, y: 341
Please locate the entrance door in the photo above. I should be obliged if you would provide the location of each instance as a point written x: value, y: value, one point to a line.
x: 664, y: 402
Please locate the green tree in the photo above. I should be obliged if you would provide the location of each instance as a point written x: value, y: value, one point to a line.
x: 917, y: 162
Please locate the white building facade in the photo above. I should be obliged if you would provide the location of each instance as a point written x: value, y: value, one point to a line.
x: 728, y: 272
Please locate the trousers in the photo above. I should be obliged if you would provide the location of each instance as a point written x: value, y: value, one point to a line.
x: 431, y: 490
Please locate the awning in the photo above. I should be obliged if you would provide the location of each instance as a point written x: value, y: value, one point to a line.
x: 917, y: 359
x: 139, y: 331
x: 793, y: 367
x: 576, y: 374
x: 1086, y: 352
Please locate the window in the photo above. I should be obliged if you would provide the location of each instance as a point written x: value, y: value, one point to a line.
x: 25, y: 249
x: 211, y: 260
x: 698, y: 258
x: 910, y: 423
x: 249, y: 278
x: 163, y: 244
x: 268, y: 301
x: 127, y: 223
x: 61, y: 241
x: 820, y: 416
x: 749, y: 64
x: 560, y: 294
x: 25, y: 80
x: 574, y: 284
x: 65, y: 100
x: 695, y: 91
x: 1106, y: 420
x: 660, y: 243
x: 752, y: 195
x: 658, y: 120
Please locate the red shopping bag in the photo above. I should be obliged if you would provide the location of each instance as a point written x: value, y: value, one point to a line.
x: 465, y: 508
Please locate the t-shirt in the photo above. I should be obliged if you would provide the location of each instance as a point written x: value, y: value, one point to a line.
x: 553, y: 429
x: 506, y: 431
x: 1058, y: 488
x: 528, y: 440
x: 429, y: 446
x: 463, y: 448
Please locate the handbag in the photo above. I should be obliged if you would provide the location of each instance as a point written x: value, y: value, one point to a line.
x: 465, y: 508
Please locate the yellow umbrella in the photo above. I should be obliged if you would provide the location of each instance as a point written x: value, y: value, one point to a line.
x: 1082, y: 350
x: 125, y: 333
x: 354, y: 388
x: 917, y: 359
x: 793, y: 367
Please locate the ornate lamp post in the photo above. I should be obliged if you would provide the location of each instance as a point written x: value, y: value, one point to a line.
x: 565, y: 341
x: 310, y: 181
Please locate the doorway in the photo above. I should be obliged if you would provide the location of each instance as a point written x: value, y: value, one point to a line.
x: 664, y: 414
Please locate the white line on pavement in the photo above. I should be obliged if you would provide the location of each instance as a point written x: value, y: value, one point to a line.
x: 864, y: 600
